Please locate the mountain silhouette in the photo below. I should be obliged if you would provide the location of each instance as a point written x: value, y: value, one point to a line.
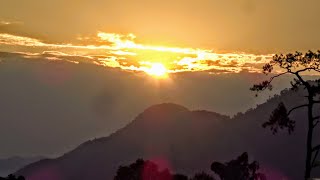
x: 187, y: 142
x: 12, y: 164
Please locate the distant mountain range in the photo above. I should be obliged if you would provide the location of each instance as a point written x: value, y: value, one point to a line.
x: 12, y: 164
x: 186, y: 142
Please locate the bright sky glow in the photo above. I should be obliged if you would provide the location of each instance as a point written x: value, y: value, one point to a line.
x: 122, y: 51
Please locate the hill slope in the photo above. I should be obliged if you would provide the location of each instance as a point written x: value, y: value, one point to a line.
x: 12, y: 164
x: 185, y: 141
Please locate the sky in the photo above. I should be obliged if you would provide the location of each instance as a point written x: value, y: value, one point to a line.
x: 182, y: 35
x: 85, y: 62
x: 231, y: 25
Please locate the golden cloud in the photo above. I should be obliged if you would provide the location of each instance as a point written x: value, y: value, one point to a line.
x: 121, y: 51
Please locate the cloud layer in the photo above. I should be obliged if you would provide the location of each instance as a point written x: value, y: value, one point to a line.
x: 122, y: 51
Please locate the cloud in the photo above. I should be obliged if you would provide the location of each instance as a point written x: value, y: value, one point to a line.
x: 122, y: 51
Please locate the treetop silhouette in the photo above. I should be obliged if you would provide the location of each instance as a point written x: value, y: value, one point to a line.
x: 238, y: 169
x: 295, y: 64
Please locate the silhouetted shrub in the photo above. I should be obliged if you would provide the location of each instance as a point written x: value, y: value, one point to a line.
x: 145, y: 170
x: 202, y: 176
x: 238, y: 169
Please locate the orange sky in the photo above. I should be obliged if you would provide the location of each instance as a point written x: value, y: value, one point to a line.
x: 122, y: 51
x: 183, y: 35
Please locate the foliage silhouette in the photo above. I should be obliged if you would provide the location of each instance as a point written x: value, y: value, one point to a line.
x: 145, y: 170
x: 180, y: 177
x: 202, y: 176
x: 148, y: 170
x: 295, y: 64
x: 12, y: 177
x: 279, y: 119
x: 238, y: 169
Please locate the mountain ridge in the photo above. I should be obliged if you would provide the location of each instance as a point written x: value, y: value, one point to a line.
x: 189, y: 140
x: 12, y: 164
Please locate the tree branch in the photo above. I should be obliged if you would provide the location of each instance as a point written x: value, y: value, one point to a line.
x: 265, y: 84
x: 315, y: 118
x: 305, y: 69
x: 316, y: 148
x: 297, y: 107
x: 278, y: 75
x: 314, y: 159
x: 315, y: 124
x: 306, y: 84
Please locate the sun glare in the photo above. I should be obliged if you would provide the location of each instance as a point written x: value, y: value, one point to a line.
x: 157, y: 70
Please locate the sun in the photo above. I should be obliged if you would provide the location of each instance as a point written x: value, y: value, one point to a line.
x: 157, y: 70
